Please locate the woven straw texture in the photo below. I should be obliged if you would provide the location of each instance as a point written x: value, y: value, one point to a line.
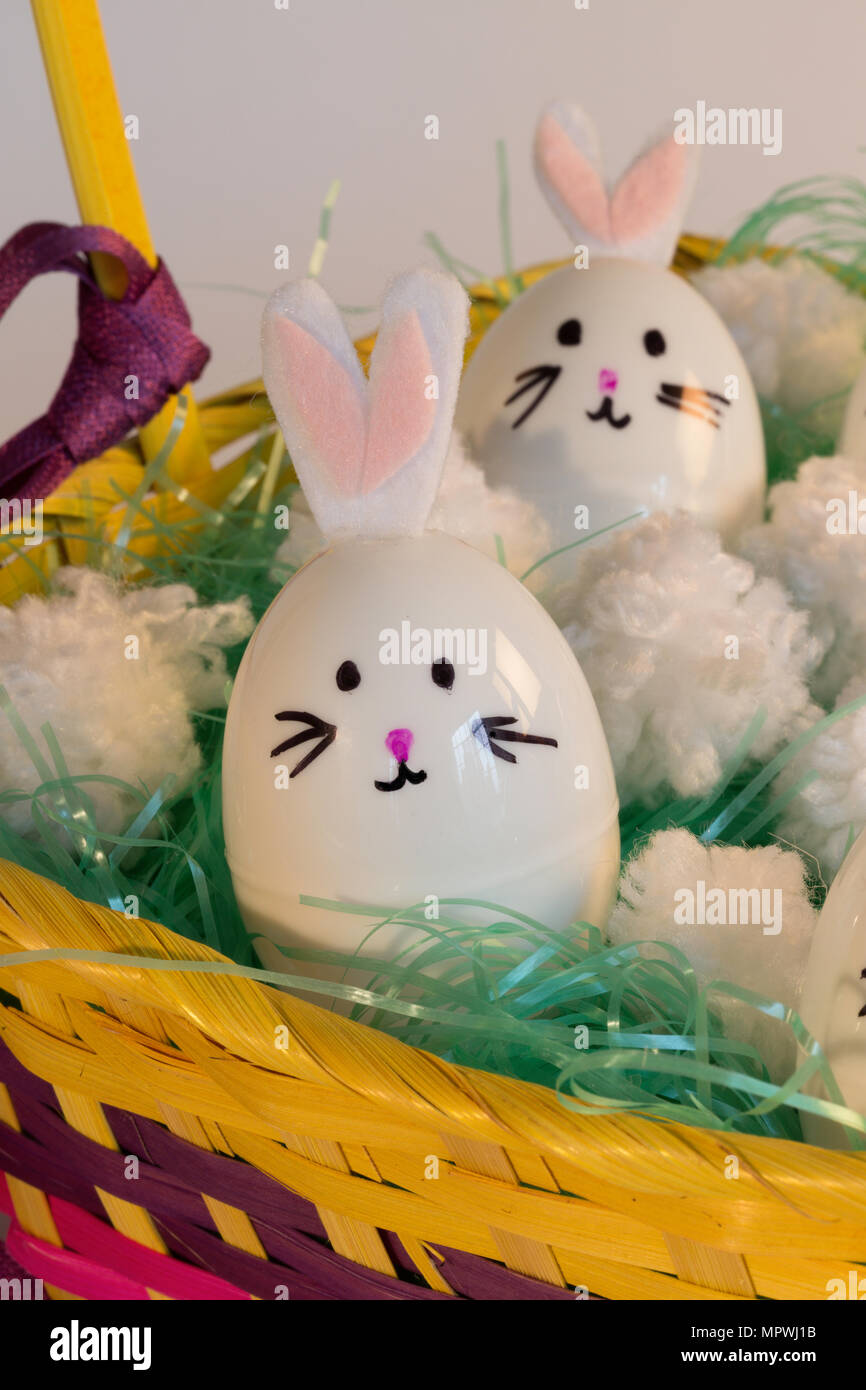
x: 407, y: 1169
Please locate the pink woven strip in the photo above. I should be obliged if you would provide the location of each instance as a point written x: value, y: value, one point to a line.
x: 95, y: 1251
x: 68, y: 1271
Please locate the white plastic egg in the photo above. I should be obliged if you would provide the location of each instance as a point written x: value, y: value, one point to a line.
x: 407, y: 724
x: 482, y: 772
x: 852, y: 441
x: 833, y: 1005
x: 611, y: 387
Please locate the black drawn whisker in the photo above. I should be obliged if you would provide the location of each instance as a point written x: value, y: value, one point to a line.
x: 318, y: 728
x: 694, y: 400
x: 688, y: 410
x: 491, y: 729
x: 696, y: 394
x: 542, y: 377
x: 293, y: 742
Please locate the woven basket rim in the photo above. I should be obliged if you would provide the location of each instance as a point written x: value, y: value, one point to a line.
x: 240, y: 1016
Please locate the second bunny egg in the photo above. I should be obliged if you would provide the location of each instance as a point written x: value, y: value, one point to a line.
x: 611, y: 390
x: 611, y: 387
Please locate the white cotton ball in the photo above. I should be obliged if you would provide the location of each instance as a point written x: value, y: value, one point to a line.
x: 303, y: 542
x: 809, y: 546
x: 67, y: 660
x: 802, y: 333
x: 682, y: 646
x: 466, y: 507
x: 469, y: 508
x: 829, y: 812
x: 755, y: 934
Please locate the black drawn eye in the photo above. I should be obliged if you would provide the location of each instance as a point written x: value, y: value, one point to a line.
x: 348, y: 676
x: 569, y: 333
x: 443, y: 673
x: 654, y: 342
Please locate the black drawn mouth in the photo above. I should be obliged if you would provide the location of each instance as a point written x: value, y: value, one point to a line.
x: 605, y: 412
x: 404, y: 775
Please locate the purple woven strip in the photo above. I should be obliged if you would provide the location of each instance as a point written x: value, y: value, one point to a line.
x: 147, y: 335
x: 9, y: 1268
x: 322, y: 1274
x: 479, y: 1279
x: 15, y: 1076
x: 305, y: 1265
x: 173, y: 1174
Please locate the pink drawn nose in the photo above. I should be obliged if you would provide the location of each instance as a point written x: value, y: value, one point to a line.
x: 607, y: 381
x: 399, y: 742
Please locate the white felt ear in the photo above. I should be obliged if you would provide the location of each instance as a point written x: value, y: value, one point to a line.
x: 568, y: 167
x: 643, y: 217
x: 369, y: 457
x: 648, y: 205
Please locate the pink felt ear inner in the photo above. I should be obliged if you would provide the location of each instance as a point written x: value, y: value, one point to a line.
x: 401, y: 411
x: 573, y: 178
x: 648, y: 192
x: 325, y: 405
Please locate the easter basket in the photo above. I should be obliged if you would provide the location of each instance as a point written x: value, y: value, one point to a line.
x: 173, y: 1126
x: 156, y: 1143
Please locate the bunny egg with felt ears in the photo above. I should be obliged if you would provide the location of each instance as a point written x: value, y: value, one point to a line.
x: 611, y: 384
x: 407, y: 722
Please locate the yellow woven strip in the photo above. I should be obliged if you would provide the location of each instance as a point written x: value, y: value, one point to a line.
x: 610, y: 1280
x: 519, y: 1108
x: 103, y: 176
x: 360, y: 1161
x: 112, y: 1076
x: 310, y: 1109
x: 233, y: 1224
x: 359, y: 1240
x: 527, y: 1256
x: 606, y: 1190
x: 85, y: 1114
x: 419, y: 1254
x: 31, y: 1205
x: 562, y: 1222
x: 795, y: 1279
x: 713, y: 1269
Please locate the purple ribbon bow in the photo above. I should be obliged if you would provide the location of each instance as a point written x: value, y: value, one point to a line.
x: 130, y: 356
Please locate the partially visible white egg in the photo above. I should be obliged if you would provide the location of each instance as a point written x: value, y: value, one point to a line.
x: 834, y: 994
x: 409, y: 725
x: 613, y: 388
x: 852, y: 441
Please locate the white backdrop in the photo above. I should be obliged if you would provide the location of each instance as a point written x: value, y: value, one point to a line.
x: 246, y: 113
